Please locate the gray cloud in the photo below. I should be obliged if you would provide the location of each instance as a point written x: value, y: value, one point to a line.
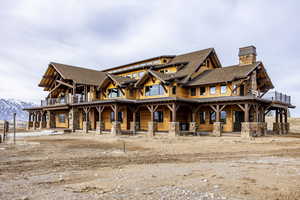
x: 100, y: 34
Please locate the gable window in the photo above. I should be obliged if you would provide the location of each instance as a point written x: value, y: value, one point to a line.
x: 223, y: 116
x: 212, y: 90
x: 62, y: 118
x: 141, y: 74
x: 223, y: 89
x: 134, y: 75
x: 202, y: 117
x: 202, y: 91
x: 212, y: 117
x: 114, y: 92
x: 193, y: 91
x: 159, y: 116
x: 154, y: 90
x: 174, y: 90
x: 120, y: 116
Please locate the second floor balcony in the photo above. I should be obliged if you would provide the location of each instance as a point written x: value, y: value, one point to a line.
x: 55, y: 101
x: 278, y: 97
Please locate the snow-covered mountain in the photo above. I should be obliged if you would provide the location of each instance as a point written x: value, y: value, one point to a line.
x: 10, y: 106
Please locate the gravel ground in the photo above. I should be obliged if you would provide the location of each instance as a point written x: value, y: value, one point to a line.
x: 81, y: 166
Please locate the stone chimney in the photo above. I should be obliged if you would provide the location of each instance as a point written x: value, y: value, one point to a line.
x: 247, y: 55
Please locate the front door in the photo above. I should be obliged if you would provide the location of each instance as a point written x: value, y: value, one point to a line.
x: 239, y: 118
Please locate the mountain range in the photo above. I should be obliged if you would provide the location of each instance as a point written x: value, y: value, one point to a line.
x: 10, y: 106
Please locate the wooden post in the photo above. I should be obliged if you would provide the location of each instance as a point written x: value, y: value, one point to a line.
x: 246, y: 112
x: 285, y: 116
x: 14, y: 117
x: 281, y: 115
x: 276, y: 115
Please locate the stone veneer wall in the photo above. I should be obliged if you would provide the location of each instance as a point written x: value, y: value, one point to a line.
x: 294, y: 124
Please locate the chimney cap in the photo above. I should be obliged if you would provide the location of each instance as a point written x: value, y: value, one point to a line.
x: 243, y: 51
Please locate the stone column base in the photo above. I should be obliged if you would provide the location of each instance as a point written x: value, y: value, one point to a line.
x: 152, y: 128
x: 246, y: 131
x: 99, y: 127
x: 134, y: 126
x: 174, y: 129
x: 217, y: 129
x: 115, y: 128
x: 285, y: 128
x: 85, y: 127
x: 193, y: 127
x: 276, y: 128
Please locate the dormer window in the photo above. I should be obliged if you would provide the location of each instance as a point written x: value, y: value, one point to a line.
x: 212, y: 90
x: 114, y: 93
x: 154, y: 90
x: 193, y: 91
x: 223, y: 89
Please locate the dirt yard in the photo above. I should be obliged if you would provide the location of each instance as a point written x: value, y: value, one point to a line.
x: 78, y: 166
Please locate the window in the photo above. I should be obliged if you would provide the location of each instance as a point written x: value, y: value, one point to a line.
x: 223, y: 116
x: 162, y: 71
x: 134, y: 75
x: 120, y: 116
x: 114, y: 92
x: 202, y: 117
x: 212, y: 117
x: 212, y: 90
x: 131, y: 92
x: 223, y: 89
x: 202, y: 91
x: 234, y: 89
x: 193, y: 91
x: 174, y: 90
x: 154, y: 90
x: 141, y: 74
x: 62, y: 118
x: 158, y: 116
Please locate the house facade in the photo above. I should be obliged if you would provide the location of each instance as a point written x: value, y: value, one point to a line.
x: 170, y: 94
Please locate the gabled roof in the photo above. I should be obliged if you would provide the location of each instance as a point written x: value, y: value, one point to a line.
x: 224, y: 74
x: 163, y: 77
x: 78, y: 74
x: 193, y: 60
x: 118, y: 80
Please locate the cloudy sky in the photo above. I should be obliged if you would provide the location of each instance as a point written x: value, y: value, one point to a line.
x: 101, y: 34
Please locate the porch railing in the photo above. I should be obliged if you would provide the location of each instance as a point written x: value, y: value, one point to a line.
x: 54, y: 101
x: 278, y: 96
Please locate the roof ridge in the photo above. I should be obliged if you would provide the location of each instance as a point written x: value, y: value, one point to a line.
x: 67, y: 65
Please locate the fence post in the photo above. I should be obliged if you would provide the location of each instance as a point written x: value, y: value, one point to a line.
x: 15, y: 128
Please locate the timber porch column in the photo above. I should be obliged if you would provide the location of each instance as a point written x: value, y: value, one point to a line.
x: 217, y: 127
x: 48, y: 120
x: 116, y: 125
x: 247, y: 127
x: 152, y: 125
x: 133, y: 125
x: 174, y: 125
x: 34, y: 120
x: 29, y: 120
x: 100, y: 124
x: 86, y: 123
x: 41, y: 113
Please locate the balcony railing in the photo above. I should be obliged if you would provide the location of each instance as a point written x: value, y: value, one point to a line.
x: 277, y: 96
x: 54, y: 101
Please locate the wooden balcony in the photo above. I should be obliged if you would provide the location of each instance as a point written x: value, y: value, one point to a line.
x: 278, y: 97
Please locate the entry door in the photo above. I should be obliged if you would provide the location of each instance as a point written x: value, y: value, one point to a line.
x: 239, y: 117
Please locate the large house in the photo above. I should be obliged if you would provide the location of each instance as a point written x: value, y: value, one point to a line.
x: 169, y: 94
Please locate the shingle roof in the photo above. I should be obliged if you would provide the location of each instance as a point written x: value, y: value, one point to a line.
x: 193, y: 59
x: 79, y: 74
x: 224, y: 74
x: 121, y: 80
x: 162, y: 76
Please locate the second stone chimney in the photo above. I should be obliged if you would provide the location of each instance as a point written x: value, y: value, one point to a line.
x: 247, y: 55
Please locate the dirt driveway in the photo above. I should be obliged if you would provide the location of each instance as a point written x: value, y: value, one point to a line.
x: 78, y: 166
